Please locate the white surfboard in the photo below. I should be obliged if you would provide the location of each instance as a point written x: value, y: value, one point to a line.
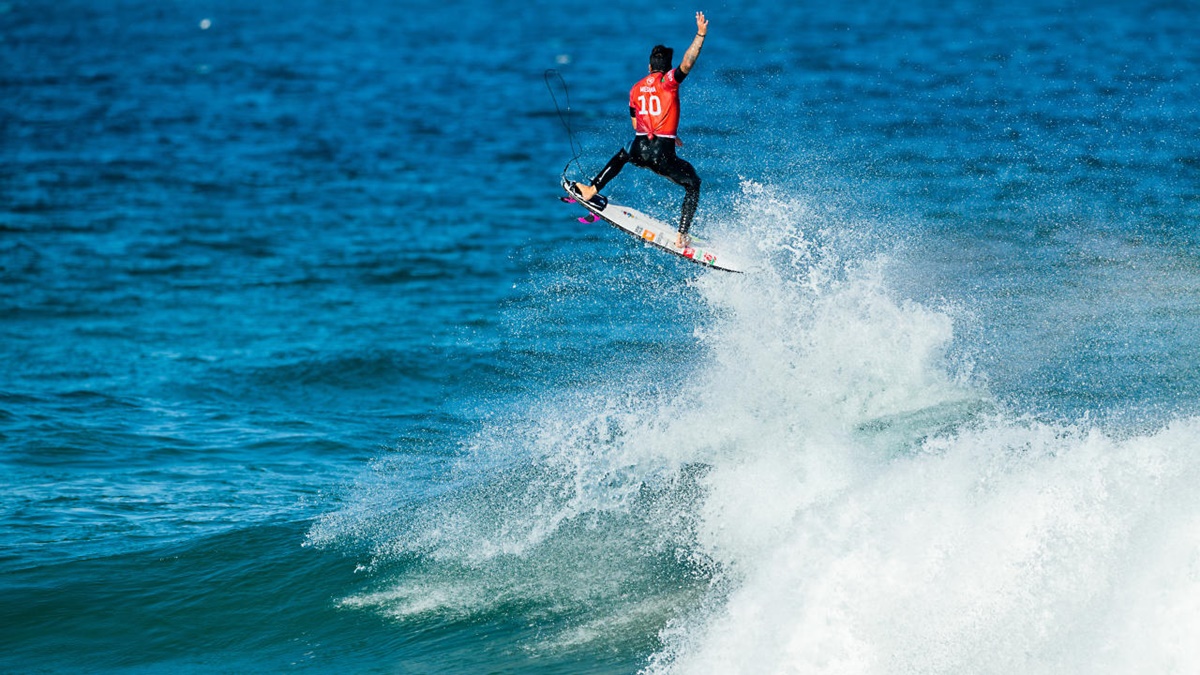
x: 652, y: 231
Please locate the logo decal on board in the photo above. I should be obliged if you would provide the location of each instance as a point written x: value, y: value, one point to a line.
x: 710, y: 258
x: 688, y: 252
x: 648, y: 235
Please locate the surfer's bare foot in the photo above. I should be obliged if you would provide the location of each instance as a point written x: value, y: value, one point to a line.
x: 683, y: 241
x: 586, y: 191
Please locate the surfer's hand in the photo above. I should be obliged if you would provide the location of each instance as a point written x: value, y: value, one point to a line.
x: 678, y: 142
x: 701, y: 23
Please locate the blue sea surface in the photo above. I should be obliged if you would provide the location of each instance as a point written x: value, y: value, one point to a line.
x: 306, y: 367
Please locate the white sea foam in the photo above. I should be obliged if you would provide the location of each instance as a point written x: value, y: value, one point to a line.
x: 1007, y: 548
x: 841, y: 483
x: 970, y: 540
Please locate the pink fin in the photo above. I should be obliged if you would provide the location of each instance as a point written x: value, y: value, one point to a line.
x: 588, y: 219
x: 568, y: 200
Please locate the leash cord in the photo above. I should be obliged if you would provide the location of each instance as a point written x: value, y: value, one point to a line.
x: 565, y: 118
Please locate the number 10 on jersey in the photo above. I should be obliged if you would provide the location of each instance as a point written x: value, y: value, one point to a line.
x: 655, y: 105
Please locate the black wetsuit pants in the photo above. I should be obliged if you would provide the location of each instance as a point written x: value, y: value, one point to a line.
x: 658, y: 155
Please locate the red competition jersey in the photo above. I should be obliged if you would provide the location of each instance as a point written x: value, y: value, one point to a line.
x: 654, y: 104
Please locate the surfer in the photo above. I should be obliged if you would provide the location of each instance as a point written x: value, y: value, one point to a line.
x: 654, y: 111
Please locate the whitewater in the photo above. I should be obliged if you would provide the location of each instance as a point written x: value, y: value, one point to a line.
x: 831, y: 485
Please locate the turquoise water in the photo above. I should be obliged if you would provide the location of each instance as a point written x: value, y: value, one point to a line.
x: 283, y: 390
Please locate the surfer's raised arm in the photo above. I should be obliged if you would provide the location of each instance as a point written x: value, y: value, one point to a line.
x: 693, y: 51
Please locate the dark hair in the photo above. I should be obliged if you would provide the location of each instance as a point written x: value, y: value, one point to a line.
x: 660, y: 58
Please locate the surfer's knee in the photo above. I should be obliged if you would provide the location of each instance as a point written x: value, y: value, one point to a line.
x: 686, y: 176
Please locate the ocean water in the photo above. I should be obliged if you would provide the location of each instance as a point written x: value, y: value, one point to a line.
x: 305, y: 367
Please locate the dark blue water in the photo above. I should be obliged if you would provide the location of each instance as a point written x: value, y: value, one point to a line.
x: 305, y: 367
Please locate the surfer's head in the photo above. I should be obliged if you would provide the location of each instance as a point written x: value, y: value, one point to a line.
x: 660, y: 59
